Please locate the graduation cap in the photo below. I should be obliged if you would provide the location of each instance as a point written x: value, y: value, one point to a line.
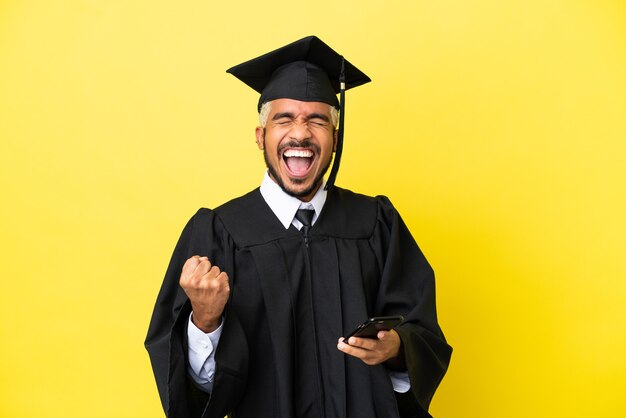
x: 307, y: 70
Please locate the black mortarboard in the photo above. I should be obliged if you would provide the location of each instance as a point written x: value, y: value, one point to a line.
x: 307, y: 70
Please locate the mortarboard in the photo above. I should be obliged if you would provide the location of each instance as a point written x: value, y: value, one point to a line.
x: 307, y: 70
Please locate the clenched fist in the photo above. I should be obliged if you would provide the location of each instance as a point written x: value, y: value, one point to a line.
x: 207, y: 288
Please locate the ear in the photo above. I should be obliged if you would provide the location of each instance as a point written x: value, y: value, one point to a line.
x: 335, y: 138
x: 260, y: 137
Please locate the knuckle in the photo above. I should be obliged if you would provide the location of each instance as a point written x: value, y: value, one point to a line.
x: 374, y: 360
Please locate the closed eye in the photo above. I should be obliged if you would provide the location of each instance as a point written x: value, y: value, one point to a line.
x: 318, y: 119
x: 283, y: 118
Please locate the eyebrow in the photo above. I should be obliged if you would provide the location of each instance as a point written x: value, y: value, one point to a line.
x: 318, y: 116
x: 283, y: 115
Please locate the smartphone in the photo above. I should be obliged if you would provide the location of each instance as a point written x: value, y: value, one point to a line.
x: 370, y: 328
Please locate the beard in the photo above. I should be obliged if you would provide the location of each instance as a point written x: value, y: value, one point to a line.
x: 273, y: 172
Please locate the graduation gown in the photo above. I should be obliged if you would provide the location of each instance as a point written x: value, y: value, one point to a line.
x: 290, y: 301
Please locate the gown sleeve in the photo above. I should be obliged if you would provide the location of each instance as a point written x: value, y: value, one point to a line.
x: 166, y: 341
x: 407, y: 287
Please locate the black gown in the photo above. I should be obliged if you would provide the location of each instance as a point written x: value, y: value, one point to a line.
x: 290, y: 302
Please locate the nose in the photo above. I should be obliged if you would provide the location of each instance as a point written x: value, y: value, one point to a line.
x: 300, y: 132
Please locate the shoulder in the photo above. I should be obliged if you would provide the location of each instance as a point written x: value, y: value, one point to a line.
x: 216, y: 220
x: 358, y: 202
x: 233, y: 210
x: 243, y: 212
x: 355, y: 215
x: 249, y: 220
x: 240, y: 205
x: 353, y: 199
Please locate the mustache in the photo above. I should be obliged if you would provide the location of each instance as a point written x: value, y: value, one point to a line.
x: 304, y: 144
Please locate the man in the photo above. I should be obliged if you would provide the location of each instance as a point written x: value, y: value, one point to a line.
x: 259, y: 292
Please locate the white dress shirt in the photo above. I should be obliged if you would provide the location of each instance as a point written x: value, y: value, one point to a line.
x: 202, y: 346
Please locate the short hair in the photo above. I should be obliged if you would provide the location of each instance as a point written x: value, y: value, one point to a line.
x: 266, y: 108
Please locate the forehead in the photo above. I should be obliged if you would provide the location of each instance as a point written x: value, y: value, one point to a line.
x: 297, y: 107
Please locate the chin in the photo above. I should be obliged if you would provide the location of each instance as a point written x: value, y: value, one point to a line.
x: 301, y: 190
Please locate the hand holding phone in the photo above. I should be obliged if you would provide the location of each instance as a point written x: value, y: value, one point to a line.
x: 370, y: 328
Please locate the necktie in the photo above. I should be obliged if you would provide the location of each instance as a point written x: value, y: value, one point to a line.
x: 305, y: 216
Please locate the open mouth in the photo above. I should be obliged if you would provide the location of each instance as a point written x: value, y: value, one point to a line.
x: 298, y: 161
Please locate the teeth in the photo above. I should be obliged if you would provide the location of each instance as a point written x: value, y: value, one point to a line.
x: 299, y: 153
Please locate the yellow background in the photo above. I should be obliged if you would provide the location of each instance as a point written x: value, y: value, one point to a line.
x: 497, y: 128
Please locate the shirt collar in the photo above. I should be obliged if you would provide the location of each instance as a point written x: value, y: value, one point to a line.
x: 285, y: 206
